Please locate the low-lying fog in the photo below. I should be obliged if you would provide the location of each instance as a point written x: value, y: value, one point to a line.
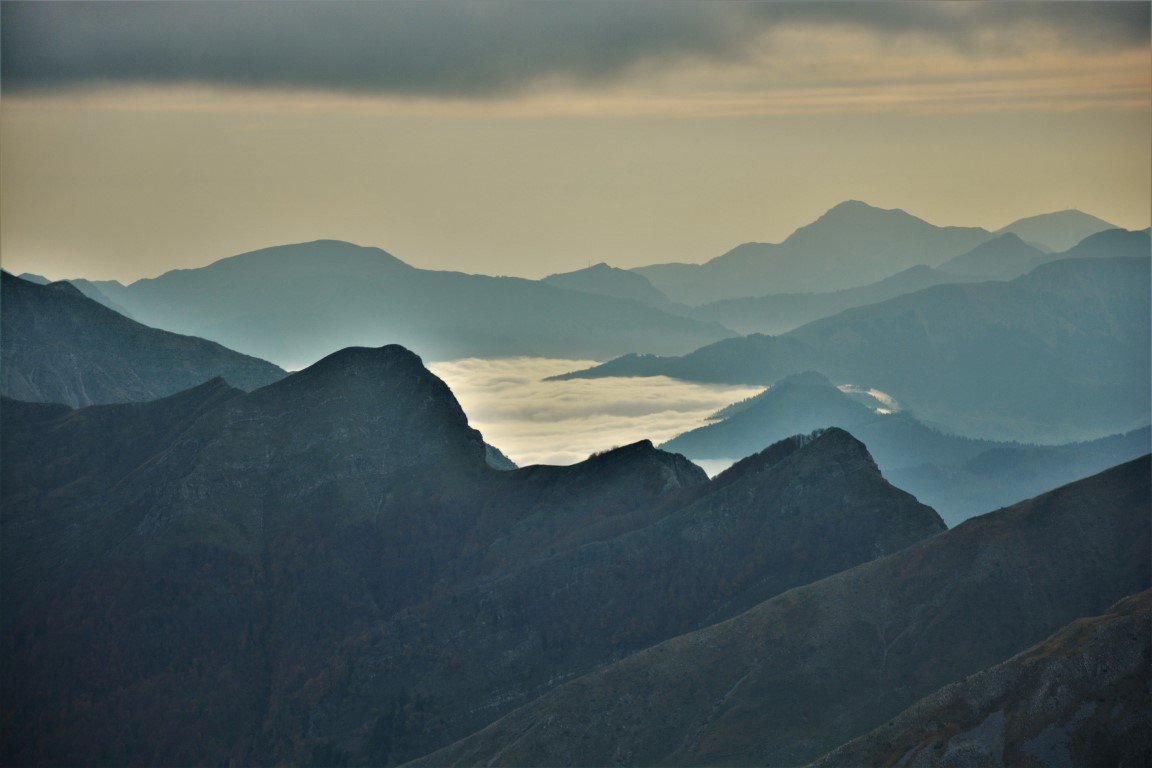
x: 561, y: 422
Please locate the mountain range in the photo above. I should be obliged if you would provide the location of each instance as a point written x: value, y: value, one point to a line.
x: 813, y: 668
x: 958, y: 477
x: 326, y: 568
x: 57, y: 345
x: 294, y: 304
x: 1060, y: 354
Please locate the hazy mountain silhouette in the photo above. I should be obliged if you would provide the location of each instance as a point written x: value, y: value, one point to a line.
x: 293, y: 304
x: 327, y: 570
x: 958, y: 477
x: 605, y: 280
x: 781, y: 312
x: 853, y: 244
x: 1004, y: 258
x: 1078, y: 698
x: 59, y: 346
x: 1056, y: 231
x: 1057, y: 355
x: 822, y: 664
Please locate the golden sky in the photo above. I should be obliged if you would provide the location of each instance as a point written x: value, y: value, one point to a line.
x: 530, y: 138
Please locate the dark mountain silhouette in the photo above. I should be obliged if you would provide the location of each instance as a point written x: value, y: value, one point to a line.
x: 853, y: 244
x: 604, y: 280
x: 293, y: 304
x: 1058, y: 355
x: 1004, y: 258
x: 1078, y: 698
x: 781, y: 312
x: 957, y: 476
x: 59, y: 346
x: 1056, y: 231
x: 819, y: 665
x: 327, y: 570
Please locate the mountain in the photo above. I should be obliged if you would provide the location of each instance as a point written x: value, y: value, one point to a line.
x: 1057, y: 231
x: 957, y: 476
x: 34, y: 278
x: 1110, y: 243
x: 604, y: 280
x: 853, y: 244
x: 327, y: 570
x: 1004, y: 258
x: 294, y: 304
x: 781, y: 312
x: 59, y: 346
x: 1058, y: 355
x: 810, y: 669
x: 1078, y: 698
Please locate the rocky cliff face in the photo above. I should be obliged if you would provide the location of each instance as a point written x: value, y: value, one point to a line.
x: 59, y: 346
x: 327, y: 570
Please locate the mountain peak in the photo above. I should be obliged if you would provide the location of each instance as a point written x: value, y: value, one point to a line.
x: 1059, y: 230
x: 374, y: 364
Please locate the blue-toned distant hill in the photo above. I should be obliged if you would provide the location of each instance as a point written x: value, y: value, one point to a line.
x: 781, y: 312
x: 1058, y: 355
x: 1057, y: 231
x: 59, y: 346
x: 293, y: 304
x: 957, y: 476
x: 853, y: 244
x: 605, y: 280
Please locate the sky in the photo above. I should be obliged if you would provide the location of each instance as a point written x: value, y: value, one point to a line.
x: 526, y: 138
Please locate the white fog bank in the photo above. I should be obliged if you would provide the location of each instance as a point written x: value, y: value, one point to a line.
x: 561, y: 422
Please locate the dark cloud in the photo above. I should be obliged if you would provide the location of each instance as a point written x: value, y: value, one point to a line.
x: 457, y: 48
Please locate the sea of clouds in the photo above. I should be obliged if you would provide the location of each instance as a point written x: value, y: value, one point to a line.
x: 534, y: 421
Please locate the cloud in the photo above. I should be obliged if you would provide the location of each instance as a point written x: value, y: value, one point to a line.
x: 446, y: 49
x: 561, y: 422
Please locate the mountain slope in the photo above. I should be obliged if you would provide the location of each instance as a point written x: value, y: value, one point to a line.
x: 326, y: 569
x: 1058, y: 355
x: 294, y: 304
x: 1078, y: 698
x: 1004, y: 258
x: 852, y: 244
x: 1057, y: 231
x: 781, y: 312
x: 816, y: 666
x: 59, y: 346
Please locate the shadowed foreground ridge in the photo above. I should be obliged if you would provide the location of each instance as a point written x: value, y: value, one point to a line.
x: 59, y: 346
x: 327, y: 571
x: 1080, y: 697
x: 819, y: 665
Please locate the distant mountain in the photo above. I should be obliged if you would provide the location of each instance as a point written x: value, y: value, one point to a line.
x: 1058, y: 355
x: 57, y: 345
x: 604, y: 280
x: 1004, y: 258
x: 326, y: 570
x: 853, y: 244
x: 781, y: 312
x: 1078, y: 698
x: 1057, y: 231
x: 294, y: 304
x: 958, y: 477
x: 815, y: 667
x: 34, y: 278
